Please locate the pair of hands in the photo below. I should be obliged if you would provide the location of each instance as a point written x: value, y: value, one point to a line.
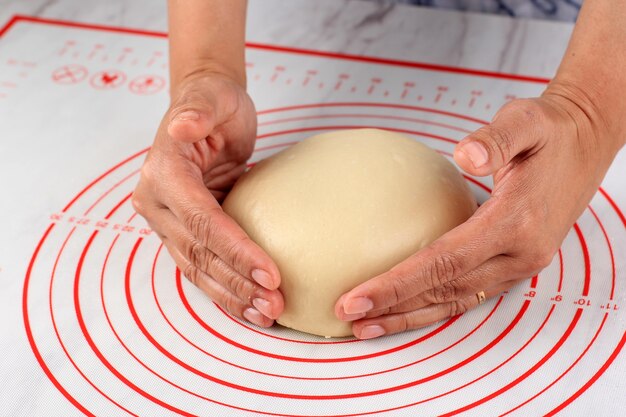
x: 545, y: 155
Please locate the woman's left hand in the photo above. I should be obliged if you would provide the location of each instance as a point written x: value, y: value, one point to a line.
x: 547, y: 156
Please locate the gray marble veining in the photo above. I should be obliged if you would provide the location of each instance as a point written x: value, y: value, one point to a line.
x: 395, y: 31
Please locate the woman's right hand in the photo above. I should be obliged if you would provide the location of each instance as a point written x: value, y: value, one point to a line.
x: 200, y: 150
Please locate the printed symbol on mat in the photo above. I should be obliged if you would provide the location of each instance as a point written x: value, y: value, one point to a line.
x: 147, y: 84
x: 69, y: 74
x: 107, y: 80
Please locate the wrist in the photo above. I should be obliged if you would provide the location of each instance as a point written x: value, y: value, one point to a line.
x: 207, y: 68
x: 597, y: 119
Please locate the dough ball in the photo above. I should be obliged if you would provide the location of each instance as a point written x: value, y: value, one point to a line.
x: 340, y: 208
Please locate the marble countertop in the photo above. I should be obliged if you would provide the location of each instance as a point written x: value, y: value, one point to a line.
x: 493, y: 43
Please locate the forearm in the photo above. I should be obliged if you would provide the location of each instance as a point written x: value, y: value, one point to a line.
x: 206, y: 35
x: 593, y: 70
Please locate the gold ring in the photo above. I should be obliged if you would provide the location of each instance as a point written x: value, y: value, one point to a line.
x: 481, y: 297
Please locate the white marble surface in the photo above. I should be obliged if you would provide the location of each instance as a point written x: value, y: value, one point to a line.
x: 521, y: 46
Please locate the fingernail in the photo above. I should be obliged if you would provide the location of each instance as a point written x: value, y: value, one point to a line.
x: 187, y: 115
x: 476, y: 153
x: 358, y: 305
x: 263, y: 306
x: 263, y: 278
x: 253, y: 316
x: 352, y: 317
x: 371, y: 331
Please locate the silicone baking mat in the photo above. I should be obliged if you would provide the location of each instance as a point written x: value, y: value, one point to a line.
x: 96, y: 319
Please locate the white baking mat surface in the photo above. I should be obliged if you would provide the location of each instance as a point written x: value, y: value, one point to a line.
x: 96, y: 321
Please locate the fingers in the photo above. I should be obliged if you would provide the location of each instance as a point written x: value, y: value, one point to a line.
x: 201, y: 261
x: 217, y: 292
x: 208, y: 271
x: 395, y: 323
x: 212, y: 243
x: 200, y: 213
x: 495, y: 270
x: 448, y: 258
x: 517, y: 128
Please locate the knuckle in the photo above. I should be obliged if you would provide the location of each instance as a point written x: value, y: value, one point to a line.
x: 540, y: 258
x: 200, y: 224
x: 193, y: 252
x: 242, y: 287
x: 442, y: 269
x: 235, y: 251
x: 445, y: 293
x: 191, y: 273
x: 232, y: 305
x: 501, y: 141
x: 457, y: 307
x: 402, y: 323
x: 398, y: 290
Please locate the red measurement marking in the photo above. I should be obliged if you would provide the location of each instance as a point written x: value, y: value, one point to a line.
x: 154, y: 58
x: 453, y: 102
x: 76, y: 54
x: 94, y: 51
x: 8, y: 84
x: 510, y: 97
x: 249, y: 64
x: 407, y: 88
x: 475, y: 94
x: 419, y: 98
x: 289, y: 81
x: 375, y: 81
x: 277, y: 71
x: 441, y: 90
x: 309, y: 74
x: 342, y: 79
x: 107, y: 80
x: 69, y: 74
x: 65, y: 48
x: 147, y: 84
x: 29, y: 64
x: 353, y: 89
x: 124, y: 54
x: 320, y: 86
x: 583, y: 302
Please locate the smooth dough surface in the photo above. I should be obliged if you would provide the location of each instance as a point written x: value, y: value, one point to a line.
x: 340, y: 208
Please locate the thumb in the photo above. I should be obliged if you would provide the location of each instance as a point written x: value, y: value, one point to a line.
x: 192, y: 118
x: 515, y: 129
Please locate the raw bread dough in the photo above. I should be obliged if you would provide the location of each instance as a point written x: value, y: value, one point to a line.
x: 339, y: 208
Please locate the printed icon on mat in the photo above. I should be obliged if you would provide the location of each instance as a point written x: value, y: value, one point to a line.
x: 147, y: 84
x: 108, y: 80
x: 69, y: 74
